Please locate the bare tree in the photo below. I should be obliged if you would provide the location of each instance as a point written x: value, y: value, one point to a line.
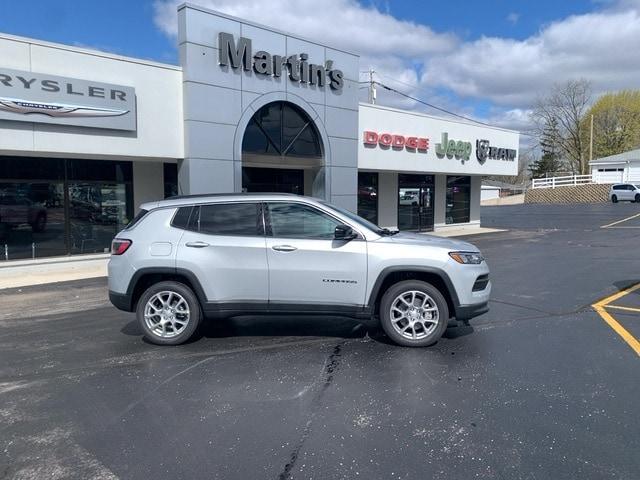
x: 565, y: 107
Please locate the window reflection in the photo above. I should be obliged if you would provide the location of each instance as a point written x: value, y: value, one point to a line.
x: 368, y: 196
x: 74, y: 206
x: 458, y: 199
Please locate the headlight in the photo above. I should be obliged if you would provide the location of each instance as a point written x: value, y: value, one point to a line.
x: 472, y: 258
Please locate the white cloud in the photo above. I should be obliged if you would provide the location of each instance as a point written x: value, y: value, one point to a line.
x: 513, y: 18
x: 344, y: 23
x: 601, y: 47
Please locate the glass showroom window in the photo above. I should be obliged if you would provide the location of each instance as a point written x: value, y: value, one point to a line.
x: 170, y: 179
x: 368, y: 196
x: 53, y: 206
x: 458, y: 199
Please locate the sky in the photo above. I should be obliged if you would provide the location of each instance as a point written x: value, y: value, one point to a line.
x: 489, y: 60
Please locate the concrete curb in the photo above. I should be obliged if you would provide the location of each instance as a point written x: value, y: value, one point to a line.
x: 21, y: 273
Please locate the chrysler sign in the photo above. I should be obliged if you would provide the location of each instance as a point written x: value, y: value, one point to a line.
x: 39, y: 98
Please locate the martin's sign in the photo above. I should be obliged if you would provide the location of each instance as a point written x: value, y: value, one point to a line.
x: 395, y: 141
x: 484, y: 150
x: 296, y: 67
x: 35, y: 97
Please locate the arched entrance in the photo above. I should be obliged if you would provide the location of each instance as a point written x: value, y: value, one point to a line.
x: 282, y: 151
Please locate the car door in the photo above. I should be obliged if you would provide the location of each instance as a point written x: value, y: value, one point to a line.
x: 630, y: 192
x: 224, y: 246
x: 307, y: 266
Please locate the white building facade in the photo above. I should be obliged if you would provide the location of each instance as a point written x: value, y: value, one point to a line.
x: 87, y: 136
x: 620, y: 168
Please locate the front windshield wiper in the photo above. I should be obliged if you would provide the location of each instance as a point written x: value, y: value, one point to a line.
x: 386, y: 231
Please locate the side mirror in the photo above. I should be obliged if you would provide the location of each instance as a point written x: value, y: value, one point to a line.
x: 344, y: 232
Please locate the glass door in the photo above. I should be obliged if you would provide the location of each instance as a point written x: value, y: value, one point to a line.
x: 415, y: 202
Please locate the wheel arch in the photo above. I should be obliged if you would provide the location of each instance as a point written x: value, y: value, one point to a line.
x: 146, y: 277
x: 435, y: 276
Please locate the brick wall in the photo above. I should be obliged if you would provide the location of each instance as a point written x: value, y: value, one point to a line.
x: 594, y: 193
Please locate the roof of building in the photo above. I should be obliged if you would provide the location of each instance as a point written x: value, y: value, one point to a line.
x: 624, y: 157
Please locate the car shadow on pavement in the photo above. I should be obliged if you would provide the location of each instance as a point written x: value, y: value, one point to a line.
x: 295, y: 326
x: 273, y: 326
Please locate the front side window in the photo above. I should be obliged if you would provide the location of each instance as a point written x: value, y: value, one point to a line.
x: 232, y: 219
x: 295, y: 220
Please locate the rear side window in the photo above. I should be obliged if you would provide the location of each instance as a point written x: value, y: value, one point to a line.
x: 181, y: 218
x: 136, y: 219
x: 232, y: 219
x: 619, y: 187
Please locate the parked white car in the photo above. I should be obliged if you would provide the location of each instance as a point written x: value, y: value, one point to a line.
x: 624, y: 192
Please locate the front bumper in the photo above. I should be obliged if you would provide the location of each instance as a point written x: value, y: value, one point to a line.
x: 467, y: 312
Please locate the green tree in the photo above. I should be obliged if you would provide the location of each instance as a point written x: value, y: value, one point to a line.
x: 616, y: 123
x: 549, y: 163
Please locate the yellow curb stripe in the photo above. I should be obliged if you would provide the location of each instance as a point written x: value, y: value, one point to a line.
x: 621, y: 221
x: 620, y: 307
x: 616, y: 296
x: 619, y: 329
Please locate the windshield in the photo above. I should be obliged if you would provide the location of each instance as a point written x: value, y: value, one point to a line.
x: 359, y: 220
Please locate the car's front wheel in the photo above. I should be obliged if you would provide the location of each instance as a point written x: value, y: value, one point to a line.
x: 637, y: 198
x: 414, y: 313
x: 614, y: 198
x: 168, y: 313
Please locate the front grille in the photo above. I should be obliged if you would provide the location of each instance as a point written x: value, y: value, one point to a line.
x: 481, y: 283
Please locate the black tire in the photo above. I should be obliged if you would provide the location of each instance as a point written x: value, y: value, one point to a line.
x: 188, y: 330
x: 393, y: 293
x: 614, y: 198
x: 637, y: 197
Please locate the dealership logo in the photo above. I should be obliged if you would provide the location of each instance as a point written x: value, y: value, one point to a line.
x: 297, y: 67
x: 396, y: 142
x: 453, y: 149
x: 485, y: 151
x: 26, y: 107
x: 42, y: 98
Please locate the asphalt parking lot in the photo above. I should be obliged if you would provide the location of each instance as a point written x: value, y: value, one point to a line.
x: 541, y: 387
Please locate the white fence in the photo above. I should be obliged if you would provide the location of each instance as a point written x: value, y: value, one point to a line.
x: 553, y: 182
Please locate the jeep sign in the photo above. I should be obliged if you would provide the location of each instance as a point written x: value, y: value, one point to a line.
x: 40, y: 98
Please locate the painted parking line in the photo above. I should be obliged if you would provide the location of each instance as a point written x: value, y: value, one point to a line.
x: 626, y: 309
x: 601, y: 306
x: 609, y: 225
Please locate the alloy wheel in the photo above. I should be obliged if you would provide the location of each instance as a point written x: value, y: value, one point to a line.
x: 414, y: 314
x: 166, y: 314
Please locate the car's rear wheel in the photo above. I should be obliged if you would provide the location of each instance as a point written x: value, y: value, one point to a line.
x: 414, y: 313
x: 614, y: 198
x: 168, y: 313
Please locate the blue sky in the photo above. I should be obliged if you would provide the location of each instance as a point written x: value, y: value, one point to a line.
x: 127, y: 26
x: 487, y: 59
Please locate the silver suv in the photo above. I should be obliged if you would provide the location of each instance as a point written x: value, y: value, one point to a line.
x: 186, y: 258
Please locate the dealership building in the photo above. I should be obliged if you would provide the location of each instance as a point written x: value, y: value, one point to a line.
x: 87, y: 136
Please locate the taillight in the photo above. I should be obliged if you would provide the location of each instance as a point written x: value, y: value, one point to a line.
x: 119, y: 246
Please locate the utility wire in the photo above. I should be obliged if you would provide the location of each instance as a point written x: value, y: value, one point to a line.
x: 391, y: 89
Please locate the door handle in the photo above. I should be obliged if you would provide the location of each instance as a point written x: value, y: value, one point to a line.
x: 197, y: 244
x: 284, y: 248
